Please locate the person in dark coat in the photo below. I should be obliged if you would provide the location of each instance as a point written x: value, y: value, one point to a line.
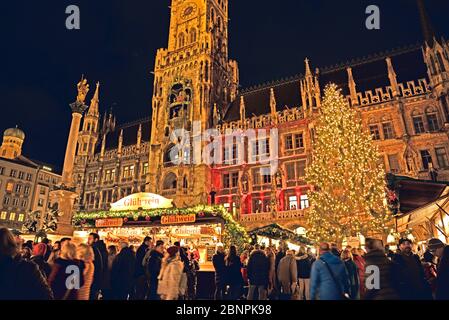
x: 154, y: 268
x: 122, y: 273
x: 66, y: 269
x: 234, y: 274
x: 376, y: 258
x: 19, y: 279
x: 440, y: 250
x: 258, y: 273
x: 38, y: 257
x: 353, y: 274
x: 218, y: 260
x: 412, y: 282
x: 192, y: 277
x: 304, y: 263
x: 139, y: 270
x: 100, y: 264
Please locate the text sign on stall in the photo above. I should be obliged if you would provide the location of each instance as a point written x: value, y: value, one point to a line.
x: 108, y: 223
x: 145, y: 201
x: 178, y: 219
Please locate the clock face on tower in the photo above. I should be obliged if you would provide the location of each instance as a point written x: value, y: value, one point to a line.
x: 188, y: 11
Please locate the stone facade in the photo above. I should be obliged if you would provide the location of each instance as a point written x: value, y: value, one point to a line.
x: 401, y: 96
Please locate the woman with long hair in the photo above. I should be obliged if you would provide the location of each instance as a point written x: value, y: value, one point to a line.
x: 85, y: 253
x: 169, y: 287
x: 67, y: 269
x: 234, y: 273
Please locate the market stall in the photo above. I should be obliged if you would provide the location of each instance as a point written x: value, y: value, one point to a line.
x: 133, y: 218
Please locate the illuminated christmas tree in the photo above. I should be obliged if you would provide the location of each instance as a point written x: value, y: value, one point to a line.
x: 349, y: 184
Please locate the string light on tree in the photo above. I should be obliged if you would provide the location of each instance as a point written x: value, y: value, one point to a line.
x: 349, y: 195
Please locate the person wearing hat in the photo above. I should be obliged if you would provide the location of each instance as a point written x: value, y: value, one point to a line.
x: 412, y: 284
x: 440, y: 250
x: 169, y: 287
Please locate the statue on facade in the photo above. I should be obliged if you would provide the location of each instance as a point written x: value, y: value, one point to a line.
x: 83, y: 90
x: 410, y: 157
x: 278, y: 178
x: 244, y: 182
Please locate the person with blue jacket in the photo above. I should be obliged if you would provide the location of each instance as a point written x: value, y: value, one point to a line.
x: 329, y: 278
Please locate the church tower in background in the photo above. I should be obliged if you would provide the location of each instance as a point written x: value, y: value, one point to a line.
x: 194, y: 82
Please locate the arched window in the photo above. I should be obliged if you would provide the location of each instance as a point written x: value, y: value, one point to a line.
x: 185, y: 182
x: 170, y: 182
x: 193, y: 36
x: 441, y: 62
x: 432, y: 119
x: 181, y: 40
x: 171, y: 156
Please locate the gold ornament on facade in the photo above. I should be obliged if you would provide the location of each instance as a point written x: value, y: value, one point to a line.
x: 83, y: 90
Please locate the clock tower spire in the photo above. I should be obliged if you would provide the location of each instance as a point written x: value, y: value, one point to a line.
x: 191, y: 75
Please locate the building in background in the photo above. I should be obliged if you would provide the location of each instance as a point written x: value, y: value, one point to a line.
x: 25, y: 184
x: 402, y: 97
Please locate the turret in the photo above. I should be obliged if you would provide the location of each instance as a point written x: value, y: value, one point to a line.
x: 88, y: 137
x: 11, y: 147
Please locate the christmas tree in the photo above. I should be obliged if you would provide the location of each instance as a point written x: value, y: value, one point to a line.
x: 349, y: 184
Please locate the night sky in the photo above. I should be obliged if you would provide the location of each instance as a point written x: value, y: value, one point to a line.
x: 41, y: 61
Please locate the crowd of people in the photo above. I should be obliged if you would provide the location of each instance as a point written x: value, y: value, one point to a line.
x: 92, y: 271
x: 375, y: 273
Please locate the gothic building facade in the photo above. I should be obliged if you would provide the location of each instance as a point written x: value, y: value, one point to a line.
x: 401, y: 95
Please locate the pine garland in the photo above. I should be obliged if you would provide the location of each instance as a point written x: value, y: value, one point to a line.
x: 233, y: 234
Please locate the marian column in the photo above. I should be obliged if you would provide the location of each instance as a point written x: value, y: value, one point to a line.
x: 64, y: 196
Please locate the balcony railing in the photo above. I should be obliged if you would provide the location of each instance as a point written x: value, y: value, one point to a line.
x: 268, y: 216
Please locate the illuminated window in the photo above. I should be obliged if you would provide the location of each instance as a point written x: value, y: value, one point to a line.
x: 145, y: 168
x: 9, y: 186
x: 374, y: 130
x: 21, y: 217
x: 3, y: 215
x: 12, y: 216
x: 292, y: 202
x: 442, y: 157
x: 304, y: 201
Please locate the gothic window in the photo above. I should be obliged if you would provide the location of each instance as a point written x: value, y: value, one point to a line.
x: 170, y: 182
x: 374, y: 130
x: 441, y: 62
x: 394, y: 163
x: 387, y: 128
x: 181, y: 40
x: 171, y: 156
x: 432, y: 119
x: 442, y: 157
x: 193, y: 36
x: 185, y: 182
x: 426, y: 159
x: 418, y: 124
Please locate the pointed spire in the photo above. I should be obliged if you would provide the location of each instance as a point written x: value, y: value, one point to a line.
x: 139, y: 136
x: 273, y: 106
x: 120, y: 142
x: 308, y: 71
x: 242, y: 109
x: 393, y: 78
x: 352, y: 87
x: 303, y: 95
x: 427, y: 29
x: 93, y: 109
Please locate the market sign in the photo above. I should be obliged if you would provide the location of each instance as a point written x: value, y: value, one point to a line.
x: 178, y: 219
x: 145, y: 201
x: 107, y: 223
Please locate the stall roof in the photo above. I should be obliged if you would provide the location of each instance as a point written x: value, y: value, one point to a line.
x: 275, y: 231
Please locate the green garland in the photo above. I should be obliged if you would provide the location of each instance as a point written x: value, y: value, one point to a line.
x: 234, y: 233
x: 274, y: 231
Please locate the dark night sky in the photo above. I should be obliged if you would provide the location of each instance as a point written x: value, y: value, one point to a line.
x: 41, y: 61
